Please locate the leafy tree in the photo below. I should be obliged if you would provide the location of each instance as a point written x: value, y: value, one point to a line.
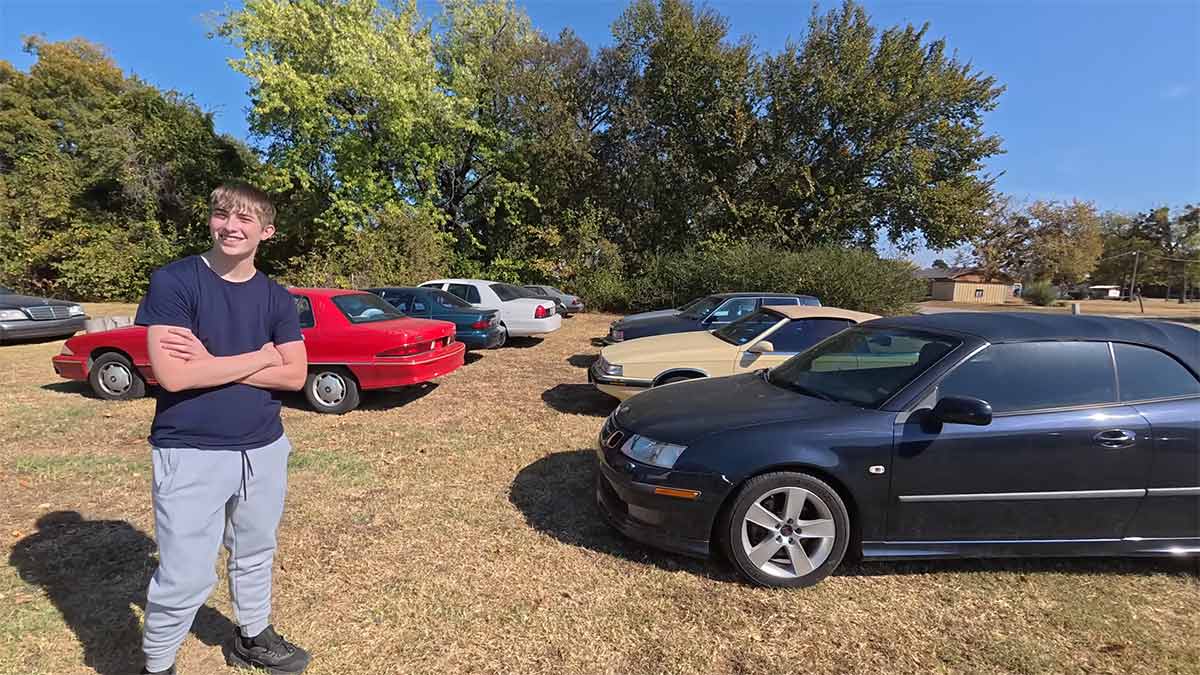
x: 1057, y: 242
x: 103, y: 176
x: 869, y: 131
x: 940, y: 264
x: 1163, y: 240
x: 682, y: 107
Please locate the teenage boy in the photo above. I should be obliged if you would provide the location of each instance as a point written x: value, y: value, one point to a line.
x: 223, y: 338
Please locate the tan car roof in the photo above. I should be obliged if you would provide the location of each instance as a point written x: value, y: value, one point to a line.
x: 809, y: 312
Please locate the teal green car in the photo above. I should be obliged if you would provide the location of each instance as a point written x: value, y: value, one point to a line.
x: 476, y: 328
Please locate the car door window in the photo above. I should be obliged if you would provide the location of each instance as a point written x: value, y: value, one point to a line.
x: 304, y: 309
x: 733, y: 310
x: 465, y: 291
x: 1144, y: 373
x: 768, y: 302
x: 1035, y: 376
x: 796, y: 336
x: 400, y: 301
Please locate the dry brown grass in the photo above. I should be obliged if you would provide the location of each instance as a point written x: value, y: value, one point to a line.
x: 1150, y: 307
x: 451, y: 530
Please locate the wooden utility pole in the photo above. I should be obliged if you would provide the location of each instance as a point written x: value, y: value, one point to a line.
x: 1133, y: 279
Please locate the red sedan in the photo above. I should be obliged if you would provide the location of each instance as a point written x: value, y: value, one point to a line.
x: 355, y: 341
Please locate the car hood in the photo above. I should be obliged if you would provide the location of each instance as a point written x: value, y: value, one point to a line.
x: 684, y: 412
x: 19, y: 301
x: 658, y: 326
x: 647, y: 315
x: 671, y: 349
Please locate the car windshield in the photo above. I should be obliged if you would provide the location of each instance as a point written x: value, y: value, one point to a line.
x: 449, y: 300
x: 702, y: 307
x: 365, y: 308
x: 862, y: 366
x: 508, y: 292
x: 749, y: 327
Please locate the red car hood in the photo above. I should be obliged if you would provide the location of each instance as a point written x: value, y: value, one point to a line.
x: 117, y: 337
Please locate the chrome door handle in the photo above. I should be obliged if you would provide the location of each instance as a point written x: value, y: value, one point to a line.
x: 1115, y: 438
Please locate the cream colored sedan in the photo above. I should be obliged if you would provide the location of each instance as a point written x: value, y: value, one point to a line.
x: 763, y: 339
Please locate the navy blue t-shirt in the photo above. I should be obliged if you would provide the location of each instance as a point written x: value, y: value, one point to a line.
x: 230, y: 319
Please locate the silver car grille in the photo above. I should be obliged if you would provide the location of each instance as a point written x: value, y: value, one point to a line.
x: 48, y: 312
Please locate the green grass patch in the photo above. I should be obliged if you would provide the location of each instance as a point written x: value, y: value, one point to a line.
x: 343, y: 466
x: 59, y: 466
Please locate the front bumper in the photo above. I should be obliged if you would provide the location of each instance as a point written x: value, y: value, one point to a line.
x: 625, y: 493
x: 28, y: 328
x: 618, y: 387
x: 70, y: 367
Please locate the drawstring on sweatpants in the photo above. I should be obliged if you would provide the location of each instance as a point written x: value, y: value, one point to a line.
x: 246, y: 466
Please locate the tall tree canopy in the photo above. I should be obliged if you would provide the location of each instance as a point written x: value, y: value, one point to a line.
x: 103, y: 177
x: 506, y: 140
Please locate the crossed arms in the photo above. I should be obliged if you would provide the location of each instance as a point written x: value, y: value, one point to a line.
x: 180, y: 361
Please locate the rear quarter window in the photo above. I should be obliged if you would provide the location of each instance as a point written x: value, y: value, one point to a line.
x: 1144, y: 373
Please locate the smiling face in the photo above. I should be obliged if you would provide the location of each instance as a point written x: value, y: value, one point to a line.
x: 237, y: 233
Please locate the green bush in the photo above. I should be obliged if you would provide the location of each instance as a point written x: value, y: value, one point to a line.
x: 848, y: 278
x: 1041, y: 294
x: 401, y: 248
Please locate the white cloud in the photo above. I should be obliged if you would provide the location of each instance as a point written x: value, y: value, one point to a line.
x: 1177, y: 90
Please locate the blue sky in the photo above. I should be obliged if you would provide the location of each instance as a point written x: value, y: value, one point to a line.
x: 1102, y: 100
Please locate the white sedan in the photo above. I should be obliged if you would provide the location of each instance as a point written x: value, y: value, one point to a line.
x: 520, y: 315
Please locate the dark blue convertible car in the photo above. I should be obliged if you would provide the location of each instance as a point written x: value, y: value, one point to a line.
x: 953, y: 435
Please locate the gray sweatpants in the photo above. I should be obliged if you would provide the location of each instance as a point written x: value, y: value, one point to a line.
x: 200, y: 498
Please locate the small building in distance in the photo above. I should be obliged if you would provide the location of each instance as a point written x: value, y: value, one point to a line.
x: 967, y: 284
x: 1104, y: 292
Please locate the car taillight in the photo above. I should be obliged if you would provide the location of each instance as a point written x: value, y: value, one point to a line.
x: 541, y: 312
x: 408, y: 350
x: 482, y: 323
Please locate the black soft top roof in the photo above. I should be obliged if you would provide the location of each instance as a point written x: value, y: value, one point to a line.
x: 1182, y: 341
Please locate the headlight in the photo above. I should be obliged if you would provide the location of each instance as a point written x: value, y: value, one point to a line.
x: 66, y: 351
x: 76, y: 310
x: 617, y: 335
x: 610, y: 368
x: 11, y: 315
x: 650, y: 451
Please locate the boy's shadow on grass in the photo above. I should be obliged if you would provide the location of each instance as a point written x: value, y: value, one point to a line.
x: 94, y: 571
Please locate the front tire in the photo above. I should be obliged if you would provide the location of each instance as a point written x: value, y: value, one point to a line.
x: 331, y: 390
x: 786, y: 529
x: 113, y: 378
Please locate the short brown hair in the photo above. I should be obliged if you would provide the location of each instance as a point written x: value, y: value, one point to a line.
x: 239, y: 197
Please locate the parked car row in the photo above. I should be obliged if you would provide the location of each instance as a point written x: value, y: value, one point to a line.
x: 356, y: 340
x: 950, y: 435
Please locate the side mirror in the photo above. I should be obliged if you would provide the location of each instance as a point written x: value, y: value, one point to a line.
x: 761, y: 347
x: 963, y: 410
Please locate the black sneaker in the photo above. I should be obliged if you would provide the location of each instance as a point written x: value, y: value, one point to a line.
x: 268, y: 651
